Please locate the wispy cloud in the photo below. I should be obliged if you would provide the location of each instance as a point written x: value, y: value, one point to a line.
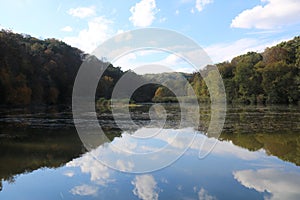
x: 264, y: 32
x: 69, y: 173
x: 200, y: 4
x: 192, y: 11
x: 143, y: 13
x: 99, y: 29
x: 275, y: 14
x: 83, y: 12
x: 171, y: 62
x: 226, y: 51
x: 58, y: 8
x: 67, y: 29
x: 163, y: 19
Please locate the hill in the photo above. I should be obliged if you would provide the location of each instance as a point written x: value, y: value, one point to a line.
x: 34, y: 71
x: 42, y: 72
x: 268, y: 77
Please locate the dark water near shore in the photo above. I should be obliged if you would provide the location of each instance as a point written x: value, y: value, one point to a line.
x: 257, y: 156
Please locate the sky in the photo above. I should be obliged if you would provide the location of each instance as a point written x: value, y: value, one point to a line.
x: 224, y: 29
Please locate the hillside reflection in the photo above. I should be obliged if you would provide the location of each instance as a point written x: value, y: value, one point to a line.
x: 26, y: 150
x: 33, y: 141
x: 284, y: 146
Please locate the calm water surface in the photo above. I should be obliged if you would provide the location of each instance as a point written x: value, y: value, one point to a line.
x: 257, y: 156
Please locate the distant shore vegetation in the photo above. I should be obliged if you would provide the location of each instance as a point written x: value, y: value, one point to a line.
x: 42, y: 72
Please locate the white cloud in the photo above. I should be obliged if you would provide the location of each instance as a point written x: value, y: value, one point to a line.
x: 264, y: 32
x: 67, y: 29
x: 281, y: 184
x: 226, y: 51
x: 171, y: 60
x: 143, y: 13
x: 126, y: 61
x: 203, y: 195
x: 200, y: 4
x: 136, y: 59
x: 82, y: 12
x: 145, y: 187
x: 178, y: 64
x: 99, y: 29
x: 177, y: 12
x: 84, y: 190
x: 275, y: 14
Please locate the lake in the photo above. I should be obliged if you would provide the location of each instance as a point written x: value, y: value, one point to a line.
x: 257, y: 156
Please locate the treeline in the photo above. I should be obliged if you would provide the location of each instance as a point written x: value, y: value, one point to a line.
x: 42, y: 72
x: 268, y: 77
x: 34, y: 71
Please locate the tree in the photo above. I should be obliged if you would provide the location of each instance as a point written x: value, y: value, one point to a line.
x: 275, y: 54
x: 279, y: 82
x: 246, y: 78
x: 163, y: 92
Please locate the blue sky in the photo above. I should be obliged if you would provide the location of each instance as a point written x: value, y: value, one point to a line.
x: 223, y: 28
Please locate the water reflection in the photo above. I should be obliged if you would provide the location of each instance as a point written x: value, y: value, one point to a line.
x: 284, y: 146
x: 191, y: 178
x: 27, y: 150
x: 256, y: 157
x: 262, y: 119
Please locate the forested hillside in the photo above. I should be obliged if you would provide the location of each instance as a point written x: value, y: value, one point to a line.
x: 34, y: 71
x: 268, y: 77
x: 42, y: 72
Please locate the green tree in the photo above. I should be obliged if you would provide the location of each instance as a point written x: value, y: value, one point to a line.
x: 246, y: 78
x: 279, y: 82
